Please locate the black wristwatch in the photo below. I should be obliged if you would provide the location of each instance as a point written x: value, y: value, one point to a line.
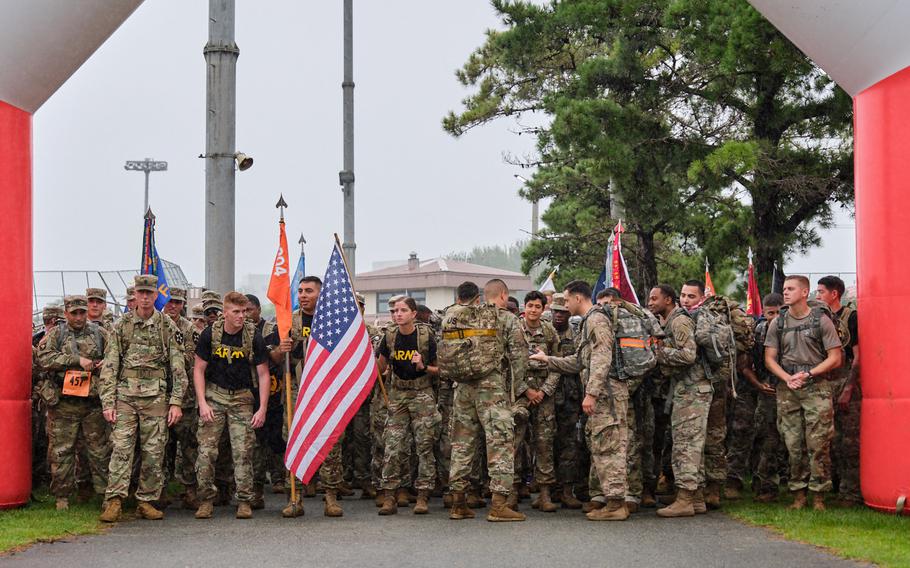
x: 811, y: 376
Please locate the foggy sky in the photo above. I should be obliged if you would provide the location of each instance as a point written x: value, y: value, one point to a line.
x: 142, y: 94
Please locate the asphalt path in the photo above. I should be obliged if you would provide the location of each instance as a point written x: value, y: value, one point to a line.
x: 362, y: 538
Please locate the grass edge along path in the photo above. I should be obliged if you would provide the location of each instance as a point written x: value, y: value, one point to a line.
x: 39, y: 521
x: 857, y: 533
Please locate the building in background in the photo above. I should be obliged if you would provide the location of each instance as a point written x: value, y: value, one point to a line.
x: 430, y: 282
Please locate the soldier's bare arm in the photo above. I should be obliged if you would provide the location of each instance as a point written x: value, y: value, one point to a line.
x: 205, y: 411
x: 265, y: 381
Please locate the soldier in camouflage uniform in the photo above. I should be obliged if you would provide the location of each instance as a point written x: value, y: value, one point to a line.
x: 226, y: 355
x: 131, y: 298
x: 482, y: 404
x: 409, y: 349
x: 143, y: 350
x: 358, y: 444
x: 605, y: 403
x: 67, y: 352
x: 542, y: 383
x: 97, y: 308
x: 183, y: 433
x: 50, y: 315
x: 690, y: 392
x: 570, y: 450
x: 802, y: 348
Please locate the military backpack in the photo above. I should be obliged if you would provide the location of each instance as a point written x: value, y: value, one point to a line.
x: 228, y: 351
x: 813, y: 323
x: 470, y: 348
x: 633, y: 340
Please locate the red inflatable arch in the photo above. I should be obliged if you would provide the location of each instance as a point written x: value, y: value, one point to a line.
x: 860, y: 44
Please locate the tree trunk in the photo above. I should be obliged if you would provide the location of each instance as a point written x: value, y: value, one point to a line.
x: 646, y: 275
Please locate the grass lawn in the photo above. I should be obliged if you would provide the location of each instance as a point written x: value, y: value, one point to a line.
x: 41, y: 522
x: 857, y: 533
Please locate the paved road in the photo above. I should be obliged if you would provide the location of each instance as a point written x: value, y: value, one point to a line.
x: 362, y: 538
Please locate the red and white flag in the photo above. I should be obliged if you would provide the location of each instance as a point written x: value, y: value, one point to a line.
x: 619, y: 272
x: 709, y: 286
x: 753, y: 298
x: 338, y: 373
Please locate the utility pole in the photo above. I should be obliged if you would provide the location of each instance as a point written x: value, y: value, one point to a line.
x: 221, y: 54
x: 535, y: 209
x: 148, y: 166
x: 346, y: 176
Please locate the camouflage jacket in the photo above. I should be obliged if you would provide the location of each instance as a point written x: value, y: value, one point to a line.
x: 677, y: 354
x: 188, y: 336
x: 138, y: 365
x: 57, y: 355
x: 515, y: 351
x: 593, y: 355
x: 545, y: 339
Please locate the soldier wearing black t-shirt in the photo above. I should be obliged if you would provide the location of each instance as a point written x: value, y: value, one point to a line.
x: 226, y: 354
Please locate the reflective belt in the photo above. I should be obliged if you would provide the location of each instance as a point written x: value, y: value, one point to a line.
x: 463, y: 333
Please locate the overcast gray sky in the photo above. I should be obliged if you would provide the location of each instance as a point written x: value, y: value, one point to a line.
x: 142, y: 94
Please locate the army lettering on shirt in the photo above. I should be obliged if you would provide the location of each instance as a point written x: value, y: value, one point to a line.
x: 307, y: 322
x: 228, y: 367
x: 405, y: 348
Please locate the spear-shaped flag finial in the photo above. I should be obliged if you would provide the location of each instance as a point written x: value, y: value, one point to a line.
x: 281, y: 205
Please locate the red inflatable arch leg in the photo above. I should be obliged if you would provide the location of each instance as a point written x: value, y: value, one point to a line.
x: 15, y: 333
x: 882, y: 160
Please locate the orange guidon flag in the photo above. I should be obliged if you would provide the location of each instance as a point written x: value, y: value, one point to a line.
x: 280, y: 285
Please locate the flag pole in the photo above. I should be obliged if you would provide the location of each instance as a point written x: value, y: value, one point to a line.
x: 385, y: 395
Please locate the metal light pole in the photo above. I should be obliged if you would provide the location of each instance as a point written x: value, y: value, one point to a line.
x: 221, y: 54
x: 346, y: 176
x: 535, y: 210
x: 148, y: 166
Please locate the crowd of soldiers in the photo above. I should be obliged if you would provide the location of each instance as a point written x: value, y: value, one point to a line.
x: 591, y: 403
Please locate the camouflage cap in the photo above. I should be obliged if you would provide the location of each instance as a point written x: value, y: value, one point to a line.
x: 96, y: 293
x: 558, y: 302
x: 75, y: 303
x: 51, y: 312
x: 178, y: 294
x: 360, y: 299
x: 130, y: 293
x: 146, y: 282
x: 197, y: 312
x: 394, y: 299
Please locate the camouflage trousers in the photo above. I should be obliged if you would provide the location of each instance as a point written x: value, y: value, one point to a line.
x: 845, y: 448
x: 183, y: 447
x: 540, y: 429
x: 40, y: 434
x: 767, y: 468
x: 443, y: 448
x: 716, y: 432
x: 233, y: 411
x: 634, y: 475
x: 644, y: 430
x: 607, y: 432
x: 414, y: 411
x: 70, y: 420
x: 142, y: 422
x: 331, y: 473
x: 356, y: 452
x: 805, y: 419
x: 482, y: 406
x: 268, y: 463
x: 689, y: 424
x: 754, y: 439
x: 569, y: 444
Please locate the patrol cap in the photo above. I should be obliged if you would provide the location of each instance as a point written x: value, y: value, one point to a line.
x: 130, y: 293
x: 558, y: 302
x: 145, y: 282
x: 360, y: 299
x: 394, y: 299
x: 75, y: 303
x: 51, y: 312
x: 197, y: 312
x: 96, y: 294
x: 178, y: 294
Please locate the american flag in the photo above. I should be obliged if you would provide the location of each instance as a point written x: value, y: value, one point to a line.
x: 338, y: 373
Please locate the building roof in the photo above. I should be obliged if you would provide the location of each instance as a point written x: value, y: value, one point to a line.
x: 436, y: 273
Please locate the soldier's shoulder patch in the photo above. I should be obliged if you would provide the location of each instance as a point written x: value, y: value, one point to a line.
x: 179, y: 336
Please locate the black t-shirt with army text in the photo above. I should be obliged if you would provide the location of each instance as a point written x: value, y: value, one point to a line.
x: 306, y: 321
x: 400, y: 358
x: 226, y: 369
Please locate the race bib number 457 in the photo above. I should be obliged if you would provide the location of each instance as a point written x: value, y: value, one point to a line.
x: 77, y: 383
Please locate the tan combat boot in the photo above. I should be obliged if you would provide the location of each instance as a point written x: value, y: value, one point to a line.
x: 799, y: 500
x: 631, y: 506
x: 733, y: 490
x: 310, y: 489
x: 293, y: 509
x: 401, y: 496
x: 569, y: 501
x: 111, y: 512
x: 681, y: 507
x: 501, y: 512
x: 592, y: 506
x: 474, y: 500
x: 63, y: 504
x: 389, y: 503
x: 818, y: 501
x: 380, y: 498
x: 460, y: 508
x: 206, y: 508
x: 712, y: 495
x: 332, y: 508
x: 190, y: 501
x: 543, y: 500
x: 278, y: 487
x: 244, y: 510
x: 367, y: 491
x: 698, y: 502
x: 344, y: 490
x: 422, y: 506
x: 614, y: 511
x: 514, y: 497
x: 647, y: 499
x: 663, y: 485
x: 148, y: 511
x: 258, y: 501
x: 447, y: 500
